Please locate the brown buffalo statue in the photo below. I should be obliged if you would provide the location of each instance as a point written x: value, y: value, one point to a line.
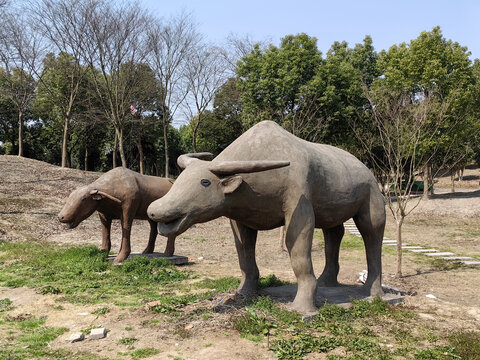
x: 268, y: 178
x: 118, y: 194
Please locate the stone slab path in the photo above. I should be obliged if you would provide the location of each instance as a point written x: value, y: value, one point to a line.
x: 449, y: 256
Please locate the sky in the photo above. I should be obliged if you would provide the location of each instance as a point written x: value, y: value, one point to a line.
x: 387, y: 22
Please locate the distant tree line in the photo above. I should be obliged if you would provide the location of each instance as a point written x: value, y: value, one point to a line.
x: 93, y: 84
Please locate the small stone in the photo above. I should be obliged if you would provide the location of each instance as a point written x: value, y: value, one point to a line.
x: 75, y: 337
x: 200, y: 258
x: 98, y: 333
x: 431, y: 296
x: 83, y: 314
x: 189, y: 327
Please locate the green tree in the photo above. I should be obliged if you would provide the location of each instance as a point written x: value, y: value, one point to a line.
x: 270, y: 80
x: 431, y: 64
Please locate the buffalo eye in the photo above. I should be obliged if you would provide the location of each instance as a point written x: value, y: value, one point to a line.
x: 205, y: 182
x: 84, y: 198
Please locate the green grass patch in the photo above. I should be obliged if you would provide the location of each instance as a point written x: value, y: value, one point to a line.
x: 30, y: 338
x: 144, y: 353
x: 466, y: 344
x: 5, y: 305
x: 83, y: 274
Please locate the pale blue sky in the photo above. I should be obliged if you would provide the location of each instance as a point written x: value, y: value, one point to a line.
x: 388, y: 22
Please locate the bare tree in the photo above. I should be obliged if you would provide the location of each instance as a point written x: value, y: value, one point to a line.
x: 116, y: 41
x: 170, y: 45
x: 20, y: 55
x: 205, y: 73
x: 393, y: 143
x: 236, y: 47
x: 65, y: 24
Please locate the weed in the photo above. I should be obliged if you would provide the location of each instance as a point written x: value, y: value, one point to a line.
x: 200, y: 240
x: 252, y: 325
x: 271, y: 281
x: 31, y: 340
x: 127, y: 341
x: 144, y: 353
x: 302, y: 344
x: 101, y: 311
x: 171, y: 303
x: 445, y: 265
x: 83, y: 274
x: 466, y: 343
x: 437, y: 353
x: 5, y: 305
x: 128, y: 328
x: 220, y: 285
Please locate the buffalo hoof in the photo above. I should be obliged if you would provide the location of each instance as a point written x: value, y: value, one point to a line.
x: 302, y: 307
x: 120, y: 258
x: 327, y: 281
x: 102, y: 248
x: 148, y: 250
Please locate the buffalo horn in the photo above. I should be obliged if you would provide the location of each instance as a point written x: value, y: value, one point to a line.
x: 186, y: 159
x: 236, y: 167
x: 94, y: 192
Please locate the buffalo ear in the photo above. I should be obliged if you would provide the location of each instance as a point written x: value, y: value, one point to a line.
x: 96, y: 195
x: 231, y: 183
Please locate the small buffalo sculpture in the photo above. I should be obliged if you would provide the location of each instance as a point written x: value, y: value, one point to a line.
x: 118, y: 194
x: 308, y: 186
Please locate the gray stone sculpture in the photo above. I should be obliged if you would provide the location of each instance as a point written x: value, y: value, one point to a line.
x: 118, y: 194
x: 308, y: 186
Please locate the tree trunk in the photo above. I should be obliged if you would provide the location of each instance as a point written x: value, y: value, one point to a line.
x: 86, y: 158
x: 425, y: 182
x: 120, y: 147
x: 20, y: 133
x: 165, y: 139
x: 430, y: 178
x: 140, y: 154
x: 194, y: 139
x: 114, y: 155
x: 399, y: 246
x: 452, y: 178
x: 64, y: 142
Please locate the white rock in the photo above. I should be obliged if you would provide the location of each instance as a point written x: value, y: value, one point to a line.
x: 75, y: 337
x: 431, y: 296
x: 98, y: 333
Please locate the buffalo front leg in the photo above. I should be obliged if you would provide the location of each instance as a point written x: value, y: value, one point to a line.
x: 299, y: 233
x: 333, y: 238
x: 152, y: 238
x: 106, y: 226
x: 245, y: 240
x: 170, y: 247
x: 125, y: 249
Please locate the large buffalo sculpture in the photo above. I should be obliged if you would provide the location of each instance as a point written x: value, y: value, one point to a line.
x: 307, y: 186
x: 118, y: 194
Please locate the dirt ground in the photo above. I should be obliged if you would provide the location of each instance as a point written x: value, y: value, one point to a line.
x: 32, y: 193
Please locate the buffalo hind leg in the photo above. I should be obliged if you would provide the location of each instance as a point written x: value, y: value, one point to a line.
x: 371, y: 225
x: 333, y: 238
x: 245, y: 240
x: 299, y: 228
x: 106, y: 226
x: 152, y: 238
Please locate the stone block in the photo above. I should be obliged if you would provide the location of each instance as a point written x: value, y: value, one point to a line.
x: 75, y: 337
x: 441, y: 254
x: 98, y: 333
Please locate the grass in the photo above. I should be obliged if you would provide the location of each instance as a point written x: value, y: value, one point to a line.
x: 83, y: 274
x: 354, y: 330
